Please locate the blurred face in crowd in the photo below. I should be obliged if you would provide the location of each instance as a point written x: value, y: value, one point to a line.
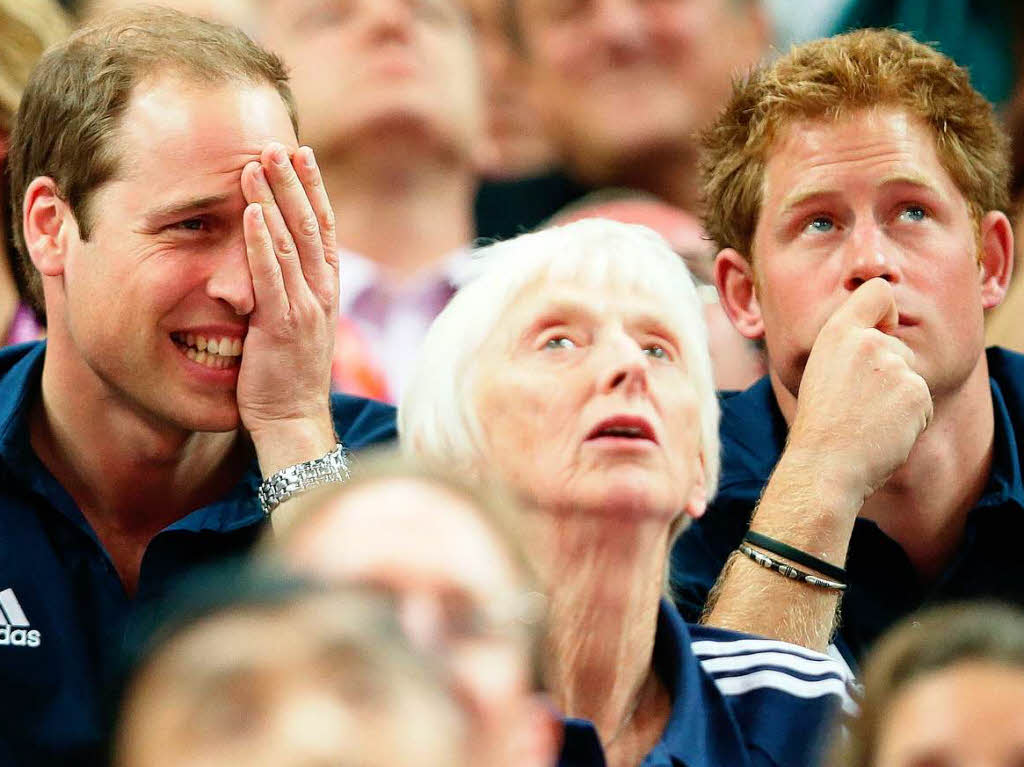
x: 619, y: 79
x: 365, y: 69
x: 456, y: 591
x: 847, y: 201
x: 967, y: 715
x: 280, y: 687
x: 587, y: 404
x: 518, y: 144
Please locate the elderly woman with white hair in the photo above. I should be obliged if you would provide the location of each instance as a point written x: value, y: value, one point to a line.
x: 575, y: 369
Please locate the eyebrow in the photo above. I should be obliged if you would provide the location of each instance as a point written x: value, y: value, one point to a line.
x: 183, y: 207
x: 798, y: 198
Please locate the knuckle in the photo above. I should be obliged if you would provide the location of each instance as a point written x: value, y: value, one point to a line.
x: 284, y: 247
x: 326, y: 220
x: 309, y: 227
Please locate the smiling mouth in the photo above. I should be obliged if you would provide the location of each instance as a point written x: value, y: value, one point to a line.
x: 212, y: 352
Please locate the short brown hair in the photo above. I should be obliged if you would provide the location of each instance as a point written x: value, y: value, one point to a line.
x: 922, y: 644
x: 830, y: 78
x: 76, y: 98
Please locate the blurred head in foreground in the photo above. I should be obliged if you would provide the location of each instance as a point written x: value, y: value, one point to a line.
x: 449, y: 557
x: 252, y: 669
x: 944, y: 688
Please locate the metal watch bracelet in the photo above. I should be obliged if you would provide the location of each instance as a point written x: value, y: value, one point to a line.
x: 292, y: 480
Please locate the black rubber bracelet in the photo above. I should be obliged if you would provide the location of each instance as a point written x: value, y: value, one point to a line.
x: 800, y: 557
x: 789, y: 571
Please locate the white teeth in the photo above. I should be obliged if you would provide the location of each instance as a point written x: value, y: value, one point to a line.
x: 217, y: 353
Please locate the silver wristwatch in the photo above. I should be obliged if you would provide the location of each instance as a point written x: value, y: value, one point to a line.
x: 292, y: 480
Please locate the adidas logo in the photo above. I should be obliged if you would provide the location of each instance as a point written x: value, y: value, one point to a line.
x: 14, y: 626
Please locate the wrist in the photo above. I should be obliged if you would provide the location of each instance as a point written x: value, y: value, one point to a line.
x: 287, y: 442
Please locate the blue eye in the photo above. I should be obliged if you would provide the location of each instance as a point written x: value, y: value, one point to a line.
x: 913, y: 213
x: 656, y: 350
x: 559, y: 342
x: 821, y: 224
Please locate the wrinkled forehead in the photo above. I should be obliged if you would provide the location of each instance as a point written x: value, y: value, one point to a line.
x: 178, y: 122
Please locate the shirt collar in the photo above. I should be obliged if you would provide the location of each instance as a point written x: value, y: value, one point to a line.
x: 700, y: 730
x: 21, y: 368
x: 1006, y: 378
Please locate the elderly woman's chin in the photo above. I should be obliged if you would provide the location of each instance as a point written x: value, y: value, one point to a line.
x: 629, y: 494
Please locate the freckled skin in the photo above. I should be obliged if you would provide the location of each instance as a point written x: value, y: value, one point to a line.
x: 835, y: 213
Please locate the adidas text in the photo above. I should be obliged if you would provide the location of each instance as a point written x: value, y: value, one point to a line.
x: 19, y: 637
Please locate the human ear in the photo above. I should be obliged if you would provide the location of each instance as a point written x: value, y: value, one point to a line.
x: 698, y: 501
x: 734, y: 277
x: 45, y: 215
x: 996, y: 257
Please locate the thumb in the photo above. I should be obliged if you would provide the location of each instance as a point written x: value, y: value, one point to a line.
x: 872, y: 305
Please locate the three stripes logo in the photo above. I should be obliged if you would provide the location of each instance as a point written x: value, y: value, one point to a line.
x: 14, y: 626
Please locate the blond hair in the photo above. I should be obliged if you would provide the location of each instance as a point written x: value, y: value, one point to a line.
x: 828, y: 79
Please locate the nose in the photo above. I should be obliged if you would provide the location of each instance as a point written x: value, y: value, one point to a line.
x: 422, y: 620
x: 869, y: 254
x: 390, y: 19
x: 619, y: 25
x: 624, y: 366
x: 230, y: 280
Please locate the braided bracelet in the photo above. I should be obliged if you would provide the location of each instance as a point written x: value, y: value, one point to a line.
x: 789, y: 571
x: 795, y: 555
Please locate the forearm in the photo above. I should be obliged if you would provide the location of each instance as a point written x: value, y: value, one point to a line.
x: 802, y: 508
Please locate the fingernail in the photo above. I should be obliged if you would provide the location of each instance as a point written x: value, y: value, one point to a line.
x: 261, y: 177
x: 308, y: 158
x: 277, y: 154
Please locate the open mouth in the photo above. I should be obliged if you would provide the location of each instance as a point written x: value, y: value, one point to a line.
x: 213, y: 352
x: 623, y: 427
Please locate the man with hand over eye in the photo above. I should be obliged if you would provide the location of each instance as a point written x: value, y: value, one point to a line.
x: 183, y: 246
x: 856, y: 190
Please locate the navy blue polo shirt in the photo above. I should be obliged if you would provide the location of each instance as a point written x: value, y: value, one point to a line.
x: 737, y: 701
x: 62, y: 606
x: 884, y: 586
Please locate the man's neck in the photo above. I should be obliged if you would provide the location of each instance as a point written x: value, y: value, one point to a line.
x: 919, y: 506
x: 605, y: 580
x: 130, y: 477
x: 924, y: 505
x: 403, y: 215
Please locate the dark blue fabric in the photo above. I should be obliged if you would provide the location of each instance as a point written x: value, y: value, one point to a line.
x: 706, y: 728
x: 50, y: 706
x: 884, y: 585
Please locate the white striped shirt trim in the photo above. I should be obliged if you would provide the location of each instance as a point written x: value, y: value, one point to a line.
x: 815, y: 666
x: 717, y: 647
x: 780, y: 680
